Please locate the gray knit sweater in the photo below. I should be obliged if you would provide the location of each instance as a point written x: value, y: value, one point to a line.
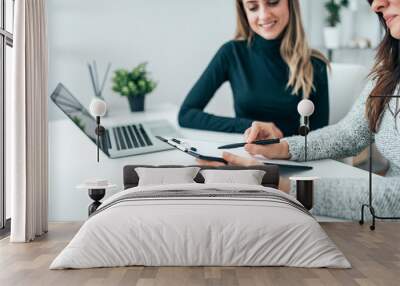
x: 342, y: 197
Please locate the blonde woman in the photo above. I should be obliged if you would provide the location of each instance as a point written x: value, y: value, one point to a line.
x: 270, y: 68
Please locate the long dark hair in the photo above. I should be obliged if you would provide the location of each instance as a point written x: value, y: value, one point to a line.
x: 386, y: 75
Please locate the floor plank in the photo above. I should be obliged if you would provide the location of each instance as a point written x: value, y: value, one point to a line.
x: 375, y: 257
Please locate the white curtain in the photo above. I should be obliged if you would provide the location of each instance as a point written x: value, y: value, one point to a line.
x: 28, y: 123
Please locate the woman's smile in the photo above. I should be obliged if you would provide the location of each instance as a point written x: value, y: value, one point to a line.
x: 269, y: 25
x: 389, y: 19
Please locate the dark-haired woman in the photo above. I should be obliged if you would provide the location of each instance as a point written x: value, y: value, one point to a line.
x: 343, y: 197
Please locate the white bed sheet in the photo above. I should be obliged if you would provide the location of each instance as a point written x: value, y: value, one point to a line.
x: 200, y: 232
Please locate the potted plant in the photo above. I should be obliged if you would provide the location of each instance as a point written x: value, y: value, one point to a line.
x: 134, y: 85
x: 331, y: 33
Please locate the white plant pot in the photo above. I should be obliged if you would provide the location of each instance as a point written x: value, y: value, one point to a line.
x: 332, y: 37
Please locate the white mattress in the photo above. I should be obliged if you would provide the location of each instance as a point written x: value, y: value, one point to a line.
x: 200, y: 232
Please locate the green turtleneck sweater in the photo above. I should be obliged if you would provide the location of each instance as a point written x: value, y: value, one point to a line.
x: 258, y: 76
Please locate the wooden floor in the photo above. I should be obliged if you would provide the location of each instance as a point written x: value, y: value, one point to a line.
x: 375, y: 257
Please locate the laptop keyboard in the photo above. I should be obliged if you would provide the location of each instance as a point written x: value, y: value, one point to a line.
x: 108, y: 138
x: 130, y: 136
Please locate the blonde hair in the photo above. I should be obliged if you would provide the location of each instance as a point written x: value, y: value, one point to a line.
x: 294, y: 48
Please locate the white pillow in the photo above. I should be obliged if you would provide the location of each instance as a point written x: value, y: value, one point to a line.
x: 248, y: 177
x: 166, y: 176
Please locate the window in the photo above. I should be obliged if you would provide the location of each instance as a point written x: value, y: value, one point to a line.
x: 6, y: 44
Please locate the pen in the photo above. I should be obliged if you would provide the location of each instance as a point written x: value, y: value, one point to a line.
x: 258, y: 142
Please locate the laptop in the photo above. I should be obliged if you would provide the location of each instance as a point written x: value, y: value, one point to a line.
x: 131, y: 138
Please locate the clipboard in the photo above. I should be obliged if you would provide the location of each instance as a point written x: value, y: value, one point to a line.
x: 191, y: 152
x: 213, y: 155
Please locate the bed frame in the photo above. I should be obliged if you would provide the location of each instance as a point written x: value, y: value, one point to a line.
x: 270, y: 179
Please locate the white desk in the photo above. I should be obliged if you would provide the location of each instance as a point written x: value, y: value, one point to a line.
x: 72, y: 159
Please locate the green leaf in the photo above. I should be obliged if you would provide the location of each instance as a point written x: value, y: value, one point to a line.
x: 125, y: 91
x: 333, y: 8
x: 116, y: 88
x: 133, y: 82
x: 132, y: 87
x: 151, y: 85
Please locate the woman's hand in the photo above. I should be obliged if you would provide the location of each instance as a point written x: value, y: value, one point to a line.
x: 273, y: 151
x: 232, y: 160
x: 257, y: 131
x: 262, y: 131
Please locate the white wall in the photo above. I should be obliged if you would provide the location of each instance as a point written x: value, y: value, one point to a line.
x: 177, y: 37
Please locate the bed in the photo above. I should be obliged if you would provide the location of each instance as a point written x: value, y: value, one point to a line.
x: 198, y: 224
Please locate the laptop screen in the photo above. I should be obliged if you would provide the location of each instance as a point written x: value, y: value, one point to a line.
x: 77, y: 113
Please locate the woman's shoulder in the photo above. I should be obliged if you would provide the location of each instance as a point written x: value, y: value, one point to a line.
x: 230, y: 50
x: 232, y: 45
x: 318, y: 62
x: 320, y: 66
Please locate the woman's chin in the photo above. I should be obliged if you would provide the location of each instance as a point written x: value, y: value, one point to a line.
x: 272, y: 35
x: 395, y: 33
x: 394, y: 27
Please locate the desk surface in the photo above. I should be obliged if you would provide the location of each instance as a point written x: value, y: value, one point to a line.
x: 72, y: 160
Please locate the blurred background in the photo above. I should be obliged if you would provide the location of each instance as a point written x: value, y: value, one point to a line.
x: 178, y: 38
